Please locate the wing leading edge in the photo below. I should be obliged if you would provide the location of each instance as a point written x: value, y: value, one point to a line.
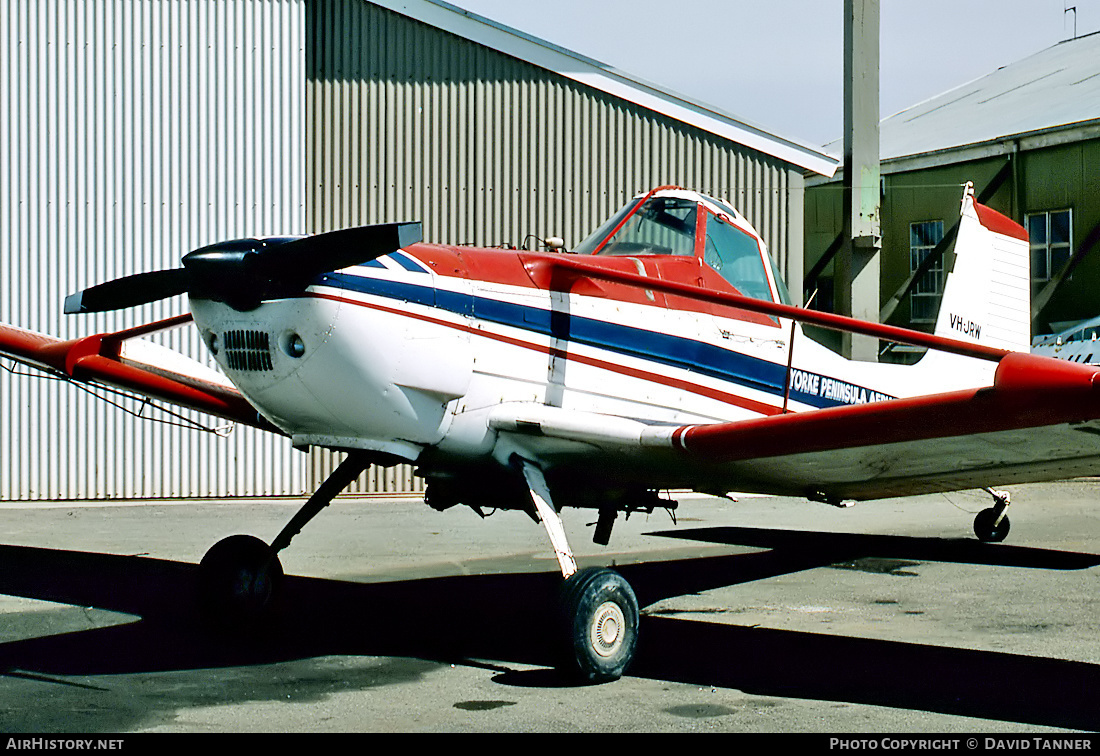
x: 1039, y: 421
x: 122, y: 360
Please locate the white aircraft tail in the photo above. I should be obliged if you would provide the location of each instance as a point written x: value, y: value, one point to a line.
x: 987, y: 296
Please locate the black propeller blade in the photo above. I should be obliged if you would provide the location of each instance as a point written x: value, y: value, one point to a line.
x: 244, y: 272
x: 308, y: 257
x: 129, y: 291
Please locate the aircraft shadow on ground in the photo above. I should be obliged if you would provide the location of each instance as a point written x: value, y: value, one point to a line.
x: 504, y: 618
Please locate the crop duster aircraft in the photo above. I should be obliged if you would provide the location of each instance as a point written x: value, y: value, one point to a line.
x: 660, y: 354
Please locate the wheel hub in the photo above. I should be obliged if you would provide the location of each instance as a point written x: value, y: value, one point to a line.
x: 607, y: 629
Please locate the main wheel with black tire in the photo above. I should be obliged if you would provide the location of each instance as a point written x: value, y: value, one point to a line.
x: 988, y: 529
x: 601, y: 620
x: 239, y: 581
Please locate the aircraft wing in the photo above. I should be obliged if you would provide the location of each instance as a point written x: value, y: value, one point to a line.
x: 1040, y: 420
x: 124, y: 361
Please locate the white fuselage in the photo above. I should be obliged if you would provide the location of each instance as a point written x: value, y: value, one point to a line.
x: 395, y: 358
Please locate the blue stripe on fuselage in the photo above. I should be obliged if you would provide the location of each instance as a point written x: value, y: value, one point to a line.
x: 664, y: 349
x: 406, y: 292
x: 407, y: 262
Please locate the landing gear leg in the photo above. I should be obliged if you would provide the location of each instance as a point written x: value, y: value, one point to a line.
x: 551, y: 520
x: 992, y: 525
x: 240, y: 576
x: 598, y: 608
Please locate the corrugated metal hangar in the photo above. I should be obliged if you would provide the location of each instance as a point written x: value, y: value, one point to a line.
x: 132, y: 132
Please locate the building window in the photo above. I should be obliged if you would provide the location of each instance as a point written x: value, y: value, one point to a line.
x: 924, y: 301
x: 1051, y: 234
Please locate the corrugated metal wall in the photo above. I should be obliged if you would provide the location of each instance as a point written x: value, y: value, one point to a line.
x: 408, y: 122
x: 134, y: 130
x: 130, y: 132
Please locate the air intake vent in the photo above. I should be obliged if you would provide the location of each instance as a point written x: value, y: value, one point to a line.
x: 247, y: 350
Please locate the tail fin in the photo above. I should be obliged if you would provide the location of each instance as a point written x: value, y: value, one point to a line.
x: 987, y: 295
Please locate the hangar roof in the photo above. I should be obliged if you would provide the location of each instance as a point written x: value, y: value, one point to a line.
x: 600, y: 76
x: 1055, y: 89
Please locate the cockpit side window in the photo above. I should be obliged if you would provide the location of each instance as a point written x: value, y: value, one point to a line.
x: 735, y: 255
x: 664, y: 226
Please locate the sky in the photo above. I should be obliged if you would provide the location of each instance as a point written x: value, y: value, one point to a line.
x: 778, y: 64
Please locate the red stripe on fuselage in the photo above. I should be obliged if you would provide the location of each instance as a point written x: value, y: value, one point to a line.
x: 694, y: 388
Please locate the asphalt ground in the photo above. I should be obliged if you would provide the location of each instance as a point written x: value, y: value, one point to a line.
x: 761, y: 615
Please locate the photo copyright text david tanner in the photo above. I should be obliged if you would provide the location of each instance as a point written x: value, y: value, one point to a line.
x: 63, y: 744
x: 984, y: 743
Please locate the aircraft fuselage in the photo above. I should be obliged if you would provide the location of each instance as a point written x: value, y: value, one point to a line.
x: 412, y: 351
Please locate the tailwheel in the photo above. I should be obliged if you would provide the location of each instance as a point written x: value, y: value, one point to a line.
x: 239, y: 580
x: 601, y: 618
x: 991, y: 525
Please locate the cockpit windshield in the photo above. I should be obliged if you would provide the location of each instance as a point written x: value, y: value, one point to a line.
x: 670, y: 225
x: 592, y: 242
x: 663, y: 226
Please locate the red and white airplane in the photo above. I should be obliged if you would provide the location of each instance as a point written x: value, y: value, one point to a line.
x: 661, y: 354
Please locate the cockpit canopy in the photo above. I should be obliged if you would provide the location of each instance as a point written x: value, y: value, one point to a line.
x: 682, y: 223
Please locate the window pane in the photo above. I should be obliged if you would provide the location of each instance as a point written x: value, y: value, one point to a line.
x: 926, y: 234
x: 1039, y: 263
x: 780, y: 284
x: 1037, y: 229
x: 924, y: 309
x: 664, y: 226
x: 1059, y: 256
x: 1059, y: 227
x: 929, y: 283
x: 587, y: 246
x: 736, y: 257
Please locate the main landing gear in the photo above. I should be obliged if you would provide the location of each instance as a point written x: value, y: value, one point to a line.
x: 240, y: 578
x: 992, y: 525
x: 599, y: 612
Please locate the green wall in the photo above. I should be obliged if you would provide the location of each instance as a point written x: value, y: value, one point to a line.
x: 1042, y: 179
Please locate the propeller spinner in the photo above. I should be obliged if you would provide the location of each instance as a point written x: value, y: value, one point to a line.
x: 244, y: 272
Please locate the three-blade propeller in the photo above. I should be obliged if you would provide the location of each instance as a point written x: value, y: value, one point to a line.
x: 244, y: 272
